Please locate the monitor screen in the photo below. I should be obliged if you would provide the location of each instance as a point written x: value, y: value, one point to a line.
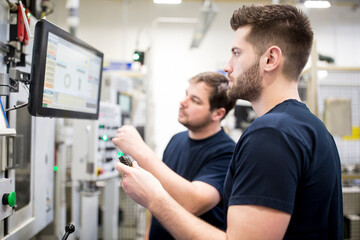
x: 65, y: 75
x: 125, y: 101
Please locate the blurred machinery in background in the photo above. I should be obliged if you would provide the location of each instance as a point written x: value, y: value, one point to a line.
x: 59, y: 171
x: 86, y: 176
x: 65, y: 82
x: 93, y: 159
x: 127, y: 89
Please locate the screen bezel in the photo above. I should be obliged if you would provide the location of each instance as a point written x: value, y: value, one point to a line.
x: 37, y: 76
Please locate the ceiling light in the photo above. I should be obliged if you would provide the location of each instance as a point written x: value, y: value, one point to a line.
x: 317, y: 4
x: 167, y: 1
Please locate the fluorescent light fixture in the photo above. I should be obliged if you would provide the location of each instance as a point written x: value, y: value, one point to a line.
x: 167, y: 1
x: 317, y: 4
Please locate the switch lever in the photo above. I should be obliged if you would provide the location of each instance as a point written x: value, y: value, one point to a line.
x: 68, y: 230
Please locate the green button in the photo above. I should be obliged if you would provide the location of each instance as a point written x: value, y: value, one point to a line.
x: 12, y: 199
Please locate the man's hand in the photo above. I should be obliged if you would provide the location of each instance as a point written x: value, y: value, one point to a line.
x: 129, y: 141
x: 147, y: 191
x: 139, y: 184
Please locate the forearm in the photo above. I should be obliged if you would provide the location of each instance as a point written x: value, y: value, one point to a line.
x: 178, y: 187
x: 147, y: 191
x: 194, y: 198
x: 180, y: 223
x: 183, y: 191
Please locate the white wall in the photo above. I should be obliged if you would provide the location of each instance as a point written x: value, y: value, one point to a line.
x: 337, y: 32
x: 112, y: 27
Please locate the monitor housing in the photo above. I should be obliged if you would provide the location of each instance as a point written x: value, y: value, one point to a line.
x: 65, y: 75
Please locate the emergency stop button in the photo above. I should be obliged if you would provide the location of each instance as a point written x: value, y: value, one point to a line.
x: 9, y: 199
x: 99, y: 171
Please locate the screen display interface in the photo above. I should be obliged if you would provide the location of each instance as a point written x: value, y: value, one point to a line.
x: 72, y: 76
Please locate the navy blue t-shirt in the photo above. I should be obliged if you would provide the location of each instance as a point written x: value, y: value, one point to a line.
x: 205, y: 160
x: 288, y: 161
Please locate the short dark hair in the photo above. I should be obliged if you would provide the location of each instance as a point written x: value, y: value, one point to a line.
x: 218, y: 83
x: 282, y: 25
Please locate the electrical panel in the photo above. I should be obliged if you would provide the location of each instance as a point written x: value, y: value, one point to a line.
x: 94, y: 154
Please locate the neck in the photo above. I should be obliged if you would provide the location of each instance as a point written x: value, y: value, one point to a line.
x: 273, y: 94
x: 205, y: 132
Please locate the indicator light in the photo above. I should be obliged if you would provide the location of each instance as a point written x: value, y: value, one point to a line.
x: 139, y: 56
x: 136, y: 56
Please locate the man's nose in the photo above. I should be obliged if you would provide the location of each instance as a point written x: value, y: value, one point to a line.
x: 228, y: 68
x: 183, y: 102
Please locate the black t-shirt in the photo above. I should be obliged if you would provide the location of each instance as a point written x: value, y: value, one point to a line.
x: 205, y: 160
x: 288, y: 161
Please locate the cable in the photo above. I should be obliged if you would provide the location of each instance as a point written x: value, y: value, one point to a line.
x: 13, y: 7
x: 16, y: 107
x: 4, y: 114
x: 9, y: 86
x: 4, y: 47
x: 25, y: 87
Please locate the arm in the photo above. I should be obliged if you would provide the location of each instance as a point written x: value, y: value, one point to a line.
x: 147, y: 191
x: 197, y: 197
x: 256, y: 222
x: 244, y: 221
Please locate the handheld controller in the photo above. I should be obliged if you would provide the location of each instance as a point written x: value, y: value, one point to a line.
x: 125, y: 160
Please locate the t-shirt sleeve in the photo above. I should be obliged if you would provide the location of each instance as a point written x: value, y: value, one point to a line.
x: 266, y: 170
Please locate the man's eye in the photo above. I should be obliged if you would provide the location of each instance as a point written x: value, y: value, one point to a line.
x: 195, y: 100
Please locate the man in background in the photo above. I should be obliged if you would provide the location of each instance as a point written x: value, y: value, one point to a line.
x: 195, y: 162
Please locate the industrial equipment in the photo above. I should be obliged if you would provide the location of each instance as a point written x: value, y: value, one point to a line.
x: 64, y: 74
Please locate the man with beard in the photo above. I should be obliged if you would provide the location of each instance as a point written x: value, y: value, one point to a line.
x: 195, y: 162
x: 284, y: 179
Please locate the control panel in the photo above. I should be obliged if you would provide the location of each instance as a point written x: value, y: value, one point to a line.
x: 8, y: 198
x: 94, y: 154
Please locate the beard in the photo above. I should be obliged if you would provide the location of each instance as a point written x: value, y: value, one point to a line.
x: 194, y: 125
x: 247, y: 86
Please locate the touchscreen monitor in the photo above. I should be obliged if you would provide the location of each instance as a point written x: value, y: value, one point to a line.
x: 65, y: 75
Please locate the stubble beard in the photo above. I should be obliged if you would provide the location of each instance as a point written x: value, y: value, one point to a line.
x: 194, y: 126
x: 247, y: 86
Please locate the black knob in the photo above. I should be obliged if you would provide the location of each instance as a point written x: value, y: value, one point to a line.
x: 68, y: 229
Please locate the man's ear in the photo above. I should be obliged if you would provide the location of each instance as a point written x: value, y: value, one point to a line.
x: 273, y: 58
x: 218, y: 114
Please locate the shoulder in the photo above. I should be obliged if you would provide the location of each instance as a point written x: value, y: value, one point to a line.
x: 290, y: 117
x: 290, y: 123
x: 222, y: 139
x: 180, y: 135
x: 223, y: 135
